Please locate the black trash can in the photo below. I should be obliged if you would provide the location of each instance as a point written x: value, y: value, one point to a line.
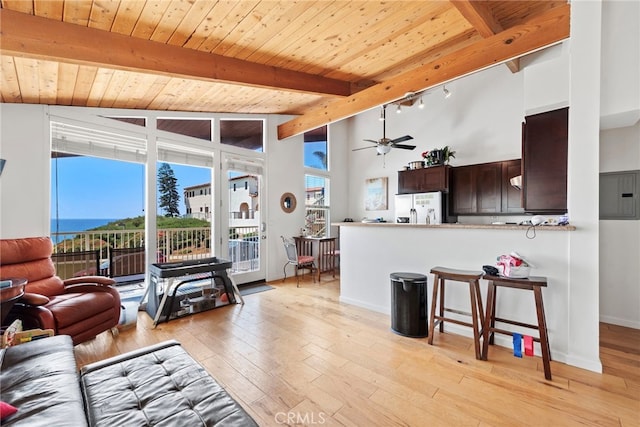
x: 409, y: 304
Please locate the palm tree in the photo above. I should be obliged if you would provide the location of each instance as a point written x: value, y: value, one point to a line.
x: 322, y: 156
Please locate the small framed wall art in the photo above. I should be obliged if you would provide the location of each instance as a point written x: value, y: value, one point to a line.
x: 376, y: 194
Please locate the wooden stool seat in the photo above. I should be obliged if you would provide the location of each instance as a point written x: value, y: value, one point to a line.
x: 441, y: 274
x: 534, y: 284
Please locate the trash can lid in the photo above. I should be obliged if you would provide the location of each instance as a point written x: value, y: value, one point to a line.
x: 408, y: 277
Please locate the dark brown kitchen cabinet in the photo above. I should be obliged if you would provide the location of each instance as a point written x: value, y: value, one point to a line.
x: 511, y: 196
x: 476, y: 188
x: 435, y: 178
x: 489, y: 187
x: 485, y: 188
x: 463, y: 190
x: 544, y: 157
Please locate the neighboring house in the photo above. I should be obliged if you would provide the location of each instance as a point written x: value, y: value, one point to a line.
x: 243, y: 201
x: 243, y: 198
x: 197, y: 200
x: 315, y: 196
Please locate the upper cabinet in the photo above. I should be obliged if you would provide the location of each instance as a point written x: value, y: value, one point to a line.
x: 424, y: 180
x: 485, y: 188
x: 544, y: 157
x: 511, y: 196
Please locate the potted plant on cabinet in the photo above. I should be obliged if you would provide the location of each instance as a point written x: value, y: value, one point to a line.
x: 438, y: 156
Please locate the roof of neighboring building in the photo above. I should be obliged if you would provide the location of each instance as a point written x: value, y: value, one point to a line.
x: 208, y: 184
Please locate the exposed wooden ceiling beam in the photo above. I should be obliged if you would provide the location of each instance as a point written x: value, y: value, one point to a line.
x: 29, y: 36
x: 480, y: 16
x: 541, y: 31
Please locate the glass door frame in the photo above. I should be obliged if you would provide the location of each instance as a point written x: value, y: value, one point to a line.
x: 231, y: 161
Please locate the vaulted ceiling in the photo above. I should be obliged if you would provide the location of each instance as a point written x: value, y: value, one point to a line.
x: 319, y: 60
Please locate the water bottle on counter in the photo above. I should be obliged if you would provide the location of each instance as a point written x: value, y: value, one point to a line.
x: 431, y: 216
x: 413, y: 216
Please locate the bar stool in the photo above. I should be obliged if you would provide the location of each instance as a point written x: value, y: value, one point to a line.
x: 534, y: 284
x: 441, y: 274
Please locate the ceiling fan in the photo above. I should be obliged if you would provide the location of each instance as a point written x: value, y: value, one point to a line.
x: 384, y: 145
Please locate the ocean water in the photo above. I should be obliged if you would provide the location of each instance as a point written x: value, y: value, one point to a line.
x: 69, y: 225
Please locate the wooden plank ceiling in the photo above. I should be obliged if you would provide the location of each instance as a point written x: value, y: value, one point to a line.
x: 320, y: 60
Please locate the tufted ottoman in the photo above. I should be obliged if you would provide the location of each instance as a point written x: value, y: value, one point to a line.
x: 157, y: 385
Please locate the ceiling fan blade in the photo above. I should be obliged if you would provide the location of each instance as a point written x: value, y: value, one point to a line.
x: 404, y: 146
x: 401, y: 139
x: 362, y: 148
x: 370, y: 140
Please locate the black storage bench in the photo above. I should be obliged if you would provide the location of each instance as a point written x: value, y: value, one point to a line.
x: 156, y: 385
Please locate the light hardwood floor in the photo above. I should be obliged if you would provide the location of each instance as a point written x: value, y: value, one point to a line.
x: 296, y: 356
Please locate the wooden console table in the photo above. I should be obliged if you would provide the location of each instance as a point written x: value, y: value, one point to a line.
x: 323, y: 249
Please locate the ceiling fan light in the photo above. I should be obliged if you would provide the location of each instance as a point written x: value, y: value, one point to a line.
x: 383, y: 149
x: 446, y: 92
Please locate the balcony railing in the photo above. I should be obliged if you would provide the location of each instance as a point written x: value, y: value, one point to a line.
x: 244, y: 249
x: 316, y: 221
x: 175, y: 244
x: 250, y: 214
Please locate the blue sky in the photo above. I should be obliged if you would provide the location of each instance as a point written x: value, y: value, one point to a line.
x: 95, y: 188
x: 90, y: 187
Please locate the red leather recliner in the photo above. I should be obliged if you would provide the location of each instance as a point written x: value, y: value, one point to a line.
x: 81, y: 307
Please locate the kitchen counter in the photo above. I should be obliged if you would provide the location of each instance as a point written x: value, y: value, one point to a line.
x: 457, y: 226
x: 370, y: 252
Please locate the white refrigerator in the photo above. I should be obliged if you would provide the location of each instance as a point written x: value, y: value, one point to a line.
x: 427, y: 205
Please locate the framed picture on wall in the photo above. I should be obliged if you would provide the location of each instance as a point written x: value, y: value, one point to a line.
x: 376, y: 194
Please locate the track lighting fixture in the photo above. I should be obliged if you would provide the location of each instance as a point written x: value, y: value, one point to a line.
x: 421, y: 104
x: 446, y: 92
x: 399, y: 109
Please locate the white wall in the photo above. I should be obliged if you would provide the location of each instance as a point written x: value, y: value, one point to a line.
x: 285, y: 173
x: 582, y: 183
x: 620, y: 240
x: 620, y: 151
x: 339, y: 167
x: 24, y: 184
x: 372, y: 252
x: 546, y: 84
x: 620, y: 65
x: 284, y: 163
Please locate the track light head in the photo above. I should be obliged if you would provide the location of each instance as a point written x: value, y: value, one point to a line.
x: 399, y: 109
x: 421, y: 104
x: 446, y: 92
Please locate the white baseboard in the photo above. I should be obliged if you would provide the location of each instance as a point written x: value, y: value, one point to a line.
x: 358, y: 303
x: 635, y: 324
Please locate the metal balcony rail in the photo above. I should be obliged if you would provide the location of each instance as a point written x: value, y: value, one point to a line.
x: 175, y: 244
x: 249, y: 214
x: 316, y: 221
x: 244, y: 249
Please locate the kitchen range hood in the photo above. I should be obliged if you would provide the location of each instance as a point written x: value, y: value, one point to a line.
x: 516, y: 181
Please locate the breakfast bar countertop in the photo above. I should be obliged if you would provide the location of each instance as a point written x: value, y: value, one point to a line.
x: 371, y: 252
x: 458, y: 226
